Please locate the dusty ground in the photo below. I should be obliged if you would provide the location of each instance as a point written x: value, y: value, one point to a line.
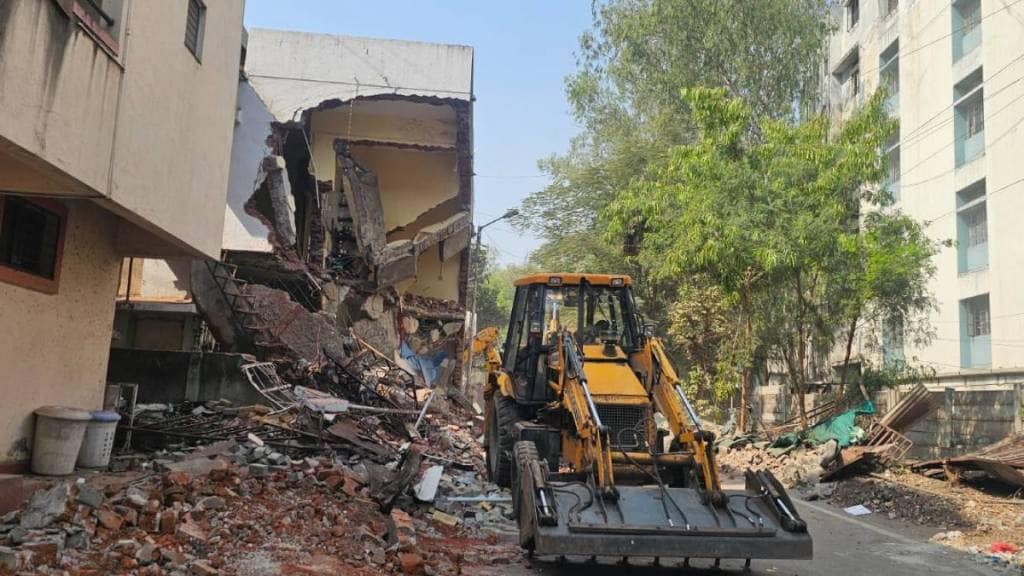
x: 981, y: 513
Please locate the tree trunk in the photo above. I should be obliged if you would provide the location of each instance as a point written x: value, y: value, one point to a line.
x: 846, y: 358
x: 794, y: 381
x: 801, y: 351
x: 745, y: 379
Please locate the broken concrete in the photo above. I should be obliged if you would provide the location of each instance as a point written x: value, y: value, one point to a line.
x: 362, y: 192
x: 273, y: 202
x: 308, y: 335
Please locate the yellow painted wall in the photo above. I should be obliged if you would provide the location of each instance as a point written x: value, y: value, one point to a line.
x: 434, y: 278
x: 394, y: 121
x: 156, y: 280
x: 54, y: 348
x: 411, y: 181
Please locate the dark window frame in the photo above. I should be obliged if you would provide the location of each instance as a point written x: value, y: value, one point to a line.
x: 23, y: 278
x: 195, y: 45
x: 890, y: 7
x: 852, y: 14
x: 103, y: 27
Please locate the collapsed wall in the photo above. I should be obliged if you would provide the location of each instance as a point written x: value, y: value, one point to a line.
x: 339, y: 264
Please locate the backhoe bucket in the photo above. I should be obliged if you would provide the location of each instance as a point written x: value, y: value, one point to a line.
x: 568, y: 519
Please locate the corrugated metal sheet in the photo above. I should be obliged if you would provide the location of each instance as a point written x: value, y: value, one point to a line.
x: 295, y: 71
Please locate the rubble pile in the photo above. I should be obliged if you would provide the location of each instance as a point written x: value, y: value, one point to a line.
x: 963, y: 516
x: 800, y: 467
x: 229, y: 506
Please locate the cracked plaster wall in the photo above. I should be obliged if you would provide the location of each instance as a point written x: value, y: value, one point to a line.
x: 411, y: 182
x: 243, y: 231
x: 434, y: 278
x: 155, y: 280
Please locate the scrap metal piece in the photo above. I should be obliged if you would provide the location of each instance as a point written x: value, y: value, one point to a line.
x: 1003, y: 460
x: 263, y: 377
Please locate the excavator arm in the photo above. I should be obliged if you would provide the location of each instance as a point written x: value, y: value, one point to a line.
x: 671, y: 401
x: 595, y: 447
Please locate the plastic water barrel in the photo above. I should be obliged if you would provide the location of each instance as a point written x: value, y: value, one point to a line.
x: 99, y: 440
x: 58, y: 439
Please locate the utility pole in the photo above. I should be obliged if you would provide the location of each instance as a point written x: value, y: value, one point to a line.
x: 477, y: 273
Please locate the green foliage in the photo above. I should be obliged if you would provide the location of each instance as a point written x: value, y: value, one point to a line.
x: 632, y: 64
x: 786, y: 221
x: 496, y: 291
x: 703, y: 326
x: 885, y: 377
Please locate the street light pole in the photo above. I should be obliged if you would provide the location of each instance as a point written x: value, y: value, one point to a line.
x: 475, y: 258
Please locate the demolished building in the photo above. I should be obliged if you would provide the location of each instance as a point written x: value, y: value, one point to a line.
x: 348, y: 216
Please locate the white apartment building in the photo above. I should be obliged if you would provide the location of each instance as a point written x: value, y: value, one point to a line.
x: 955, y: 75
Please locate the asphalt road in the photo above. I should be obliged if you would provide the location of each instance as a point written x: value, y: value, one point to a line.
x: 843, y: 546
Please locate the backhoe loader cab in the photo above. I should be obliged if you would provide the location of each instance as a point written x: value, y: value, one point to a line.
x: 572, y: 405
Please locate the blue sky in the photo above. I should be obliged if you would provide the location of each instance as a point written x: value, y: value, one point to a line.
x: 522, y: 52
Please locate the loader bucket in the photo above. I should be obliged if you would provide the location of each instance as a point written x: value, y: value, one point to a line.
x: 648, y: 521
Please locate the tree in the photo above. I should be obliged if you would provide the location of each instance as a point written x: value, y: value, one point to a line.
x: 631, y: 66
x: 784, y: 219
x: 496, y: 290
x: 703, y: 326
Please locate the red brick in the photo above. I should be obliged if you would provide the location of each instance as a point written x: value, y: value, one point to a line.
x: 109, y: 519
x: 44, y: 553
x: 168, y: 521
x: 412, y: 564
x: 177, y: 478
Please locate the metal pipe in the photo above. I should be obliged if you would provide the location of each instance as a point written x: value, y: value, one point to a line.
x: 577, y: 366
x: 689, y: 408
x: 590, y: 403
x: 424, y: 411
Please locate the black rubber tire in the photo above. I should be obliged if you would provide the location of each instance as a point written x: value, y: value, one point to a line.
x: 524, y: 452
x: 499, y: 440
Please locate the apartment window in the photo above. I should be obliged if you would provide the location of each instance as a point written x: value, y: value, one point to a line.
x: 966, y: 27
x: 195, y: 22
x: 889, y: 7
x: 892, y: 167
x: 852, y: 13
x: 972, y: 228
x: 100, y: 18
x: 892, y: 341
x: 975, y: 332
x: 969, y: 118
x: 31, y: 242
x: 847, y: 77
x: 889, y: 77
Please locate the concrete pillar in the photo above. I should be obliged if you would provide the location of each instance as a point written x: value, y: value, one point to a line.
x: 1018, y: 408
x: 193, y: 378
x: 947, y: 429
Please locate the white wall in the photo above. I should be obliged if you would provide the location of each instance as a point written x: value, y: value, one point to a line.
x: 249, y: 146
x: 929, y: 179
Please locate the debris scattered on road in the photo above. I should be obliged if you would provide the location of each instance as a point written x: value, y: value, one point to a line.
x: 857, y: 510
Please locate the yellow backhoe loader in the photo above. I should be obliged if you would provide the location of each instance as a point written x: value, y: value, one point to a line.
x: 573, y: 406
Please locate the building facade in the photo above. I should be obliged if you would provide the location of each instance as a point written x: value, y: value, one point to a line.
x: 953, y: 72
x: 954, y: 77
x: 115, y: 140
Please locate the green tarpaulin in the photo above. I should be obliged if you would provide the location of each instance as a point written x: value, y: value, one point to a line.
x: 840, y: 427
